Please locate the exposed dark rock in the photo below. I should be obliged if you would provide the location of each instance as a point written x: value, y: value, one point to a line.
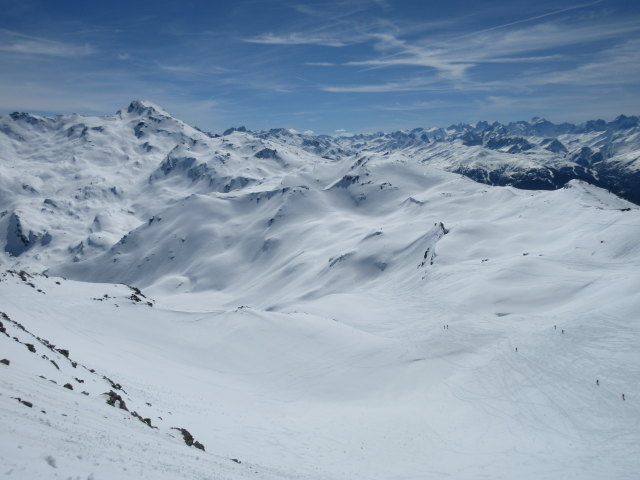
x: 68, y: 385
x: 583, y: 157
x: 115, y: 386
x: 146, y: 421
x: 347, y: 181
x: 140, y: 129
x: 5, y: 361
x: 18, y: 240
x: 266, y: 153
x: 198, y: 445
x: 116, y: 400
x: 24, y: 402
x: 229, y: 131
x: 471, y: 139
x: 31, y: 347
x: 622, y: 122
x: 515, y: 144
x: 554, y: 145
x: 188, y: 438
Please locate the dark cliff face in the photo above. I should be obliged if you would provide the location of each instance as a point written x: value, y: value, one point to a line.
x: 617, y: 180
x: 621, y: 181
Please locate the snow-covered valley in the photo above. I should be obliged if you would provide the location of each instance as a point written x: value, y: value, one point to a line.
x: 311, y: 307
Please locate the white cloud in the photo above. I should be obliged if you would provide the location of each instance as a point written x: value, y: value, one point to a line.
x: 451, y: 61
x: 616, y: 66
x: 418, y: 106
x: 177, y: 68
x: 297, y: 39
x: 412, y: 84
x: 453, y: 58
x: 18, y: 43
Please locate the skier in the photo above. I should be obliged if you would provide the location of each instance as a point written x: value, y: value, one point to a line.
x: 563, y: 331
x: 623, y: 396
x: 597, y: 382
x: 555, y: 327
x: 516, y: 349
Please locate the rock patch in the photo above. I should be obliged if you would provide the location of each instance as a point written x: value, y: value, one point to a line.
x: 188, y: 438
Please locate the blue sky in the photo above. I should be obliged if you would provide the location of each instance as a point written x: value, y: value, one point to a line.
x: 324, y: 66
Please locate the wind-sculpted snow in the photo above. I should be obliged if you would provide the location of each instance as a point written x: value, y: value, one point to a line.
x: 317, y: 307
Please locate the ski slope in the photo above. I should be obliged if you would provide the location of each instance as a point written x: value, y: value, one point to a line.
x: 322, y: 319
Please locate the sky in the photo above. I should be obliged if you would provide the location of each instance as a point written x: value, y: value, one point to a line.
x: 324, y: 66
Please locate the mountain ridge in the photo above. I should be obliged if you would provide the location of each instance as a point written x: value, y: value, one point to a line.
x: 72, y: 186
x: 311, y: 307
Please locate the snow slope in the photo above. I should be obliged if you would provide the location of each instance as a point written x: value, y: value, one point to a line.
x: 319, y: 318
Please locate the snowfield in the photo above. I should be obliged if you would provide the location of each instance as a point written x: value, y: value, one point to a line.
x: 304, y: 311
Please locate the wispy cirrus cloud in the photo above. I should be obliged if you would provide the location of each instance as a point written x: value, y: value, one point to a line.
x: 540, y: 37
x: 19, y: 43
x: 526, y: 20
x: 614, y: 66
x: 493, y: 46
x: 299, y: 39
x: 331, y: 24
x: 448, y: 61
x: 193, y: 70
x: 412, y: 84
x: 429, y: 105
x: 542, y: 44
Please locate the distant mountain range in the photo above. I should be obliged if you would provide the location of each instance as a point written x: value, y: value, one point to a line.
x: 536, y: 155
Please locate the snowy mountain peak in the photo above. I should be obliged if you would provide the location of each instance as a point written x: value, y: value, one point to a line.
x: 229, y: 131
x: 145, y: 108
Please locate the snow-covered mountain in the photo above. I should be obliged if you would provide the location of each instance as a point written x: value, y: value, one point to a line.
x: 536, y: 155
x: 317, y: 307
x: 72, y: 186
